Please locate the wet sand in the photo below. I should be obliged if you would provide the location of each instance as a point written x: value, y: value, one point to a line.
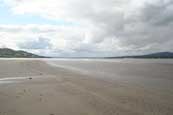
x: 85, y: 87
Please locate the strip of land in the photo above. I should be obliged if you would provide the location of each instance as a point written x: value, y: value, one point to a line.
x: 85, y: 87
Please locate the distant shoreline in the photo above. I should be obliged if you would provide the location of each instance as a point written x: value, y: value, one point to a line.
x: 10, y: 53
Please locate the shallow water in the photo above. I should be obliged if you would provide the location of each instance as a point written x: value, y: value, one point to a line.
x: 146, y: 72
x: 101, y: 65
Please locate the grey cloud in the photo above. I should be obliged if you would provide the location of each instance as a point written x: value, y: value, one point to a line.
x: 158, y: 14
x: 142, y: 29
x: 41, y: 43
x: 151, y: 30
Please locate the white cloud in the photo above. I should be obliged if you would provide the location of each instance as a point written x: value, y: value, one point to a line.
x: 106, y: 27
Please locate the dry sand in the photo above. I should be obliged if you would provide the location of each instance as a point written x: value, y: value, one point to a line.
x: 34, y: 87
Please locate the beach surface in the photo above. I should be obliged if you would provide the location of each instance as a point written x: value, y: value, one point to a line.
x: 86, y: 87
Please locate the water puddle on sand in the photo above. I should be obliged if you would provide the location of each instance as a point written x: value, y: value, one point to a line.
x: 8, y: 80
x: 12, y: 80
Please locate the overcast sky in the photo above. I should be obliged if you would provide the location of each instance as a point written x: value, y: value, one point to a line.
x: 87, y: 27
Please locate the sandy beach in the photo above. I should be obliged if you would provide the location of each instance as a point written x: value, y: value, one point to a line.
x: 86, y: 87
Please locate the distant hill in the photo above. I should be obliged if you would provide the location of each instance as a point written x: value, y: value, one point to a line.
x: 153, y: 55
x: 10, y: 53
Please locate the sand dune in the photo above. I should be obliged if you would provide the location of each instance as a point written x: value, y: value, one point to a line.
x: 56, y: 87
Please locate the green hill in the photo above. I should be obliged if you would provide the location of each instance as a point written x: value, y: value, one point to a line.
x: 153, y: 55
x: 9, y: 53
